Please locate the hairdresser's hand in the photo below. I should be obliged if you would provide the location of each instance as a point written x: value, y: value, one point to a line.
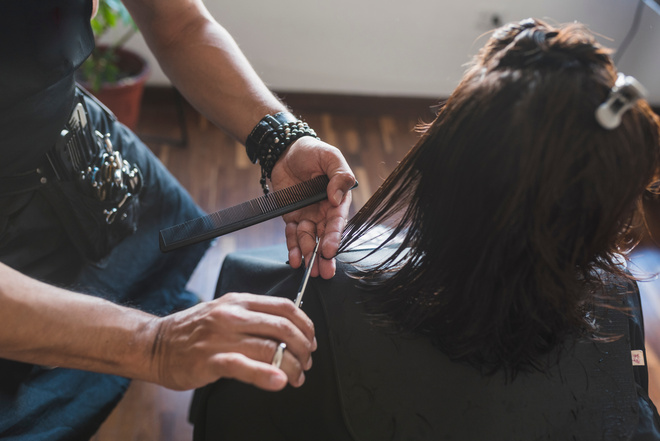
x: 234, y: 336
x: 305, y: 159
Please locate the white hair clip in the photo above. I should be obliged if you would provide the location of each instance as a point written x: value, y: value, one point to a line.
x: 624, y: 94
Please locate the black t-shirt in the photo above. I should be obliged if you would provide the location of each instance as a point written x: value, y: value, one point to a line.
x: 42, y: 43
x: 374, y: 383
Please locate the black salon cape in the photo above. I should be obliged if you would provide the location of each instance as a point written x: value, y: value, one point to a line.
x: 366, y: 384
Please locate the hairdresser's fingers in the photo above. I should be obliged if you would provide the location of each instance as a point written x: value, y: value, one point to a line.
x: 327, y: 267
x: 302, y: 228
x: 291, y: 233
x: 280, y: 314
x: 301, y: 238
x: 246, y: 324
x: 294, y: 371
x: 341, y: 182
x: 307, y: 231
x: 242, y: 368
x: 263, y: 348
x: 336, y: 219
x: 263, y: 351
x: 306, y: 158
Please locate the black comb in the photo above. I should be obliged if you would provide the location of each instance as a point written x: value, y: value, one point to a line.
x: 244, y: 215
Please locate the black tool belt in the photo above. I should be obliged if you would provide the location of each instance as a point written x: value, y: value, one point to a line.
x: 92, y: 189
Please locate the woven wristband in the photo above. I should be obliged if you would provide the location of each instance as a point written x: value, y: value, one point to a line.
x: 270, y: 137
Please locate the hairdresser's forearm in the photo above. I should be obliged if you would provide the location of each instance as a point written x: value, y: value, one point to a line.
x: 45, y: 325
x: 204, y: 63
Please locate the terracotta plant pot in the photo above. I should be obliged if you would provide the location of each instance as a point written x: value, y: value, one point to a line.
x: 124, y: 97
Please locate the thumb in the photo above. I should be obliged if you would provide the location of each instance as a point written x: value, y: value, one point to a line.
x: 340, y: 174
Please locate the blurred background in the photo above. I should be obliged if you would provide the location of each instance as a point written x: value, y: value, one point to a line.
x: 409, y: 48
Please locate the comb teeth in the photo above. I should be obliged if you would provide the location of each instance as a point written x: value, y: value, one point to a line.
x: 244, y: 215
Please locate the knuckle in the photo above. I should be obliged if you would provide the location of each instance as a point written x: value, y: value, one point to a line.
x: 228, y: 362
x: 226, y: 318
x: 285, y: 328
x: 296, y: 375
x: 288, y: 306
x: 266, y: 350
x: 232, y: 297
x: 335, y: 218
x: 310, y: 327
x: 345, y: 176
x: 221, y: 312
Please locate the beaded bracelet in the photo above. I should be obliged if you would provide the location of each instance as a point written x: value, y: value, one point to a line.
x: 270, y: 137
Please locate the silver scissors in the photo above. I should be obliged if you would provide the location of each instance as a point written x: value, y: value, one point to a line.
x: 279, y: 353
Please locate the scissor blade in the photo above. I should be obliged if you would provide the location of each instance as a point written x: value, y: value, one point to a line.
x: 303, y: 284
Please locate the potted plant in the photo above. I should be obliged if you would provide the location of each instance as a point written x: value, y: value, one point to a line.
x: 115, y: 75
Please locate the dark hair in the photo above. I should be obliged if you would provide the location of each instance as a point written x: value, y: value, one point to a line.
x: 513, y: 202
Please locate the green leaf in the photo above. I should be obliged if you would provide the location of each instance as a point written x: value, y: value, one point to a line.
x: 101, y: 66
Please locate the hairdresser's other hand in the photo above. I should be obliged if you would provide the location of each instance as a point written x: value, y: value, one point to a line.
x: 303, y: 160
x: 234, y: 336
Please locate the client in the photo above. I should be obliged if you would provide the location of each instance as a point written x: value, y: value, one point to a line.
x: 496, y: 304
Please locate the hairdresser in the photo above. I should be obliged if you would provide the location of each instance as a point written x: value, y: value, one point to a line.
x: 82, y: 201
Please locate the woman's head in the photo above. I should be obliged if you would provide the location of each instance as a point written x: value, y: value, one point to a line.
x: 514, y: 196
